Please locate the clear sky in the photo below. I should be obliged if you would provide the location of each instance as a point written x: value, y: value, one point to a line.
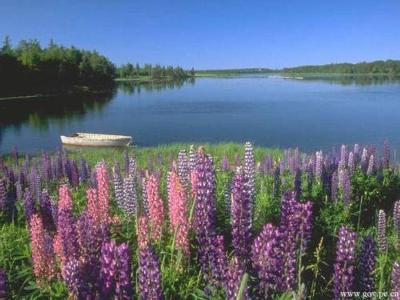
x: 213, y: 34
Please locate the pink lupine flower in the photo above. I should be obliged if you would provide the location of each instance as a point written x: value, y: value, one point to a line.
x: 42, y: 251
x: 193, y: 181
x: 178, y: 214
x: 103, y: 192
x: 156, y: 209
x: 142, y: 232
x: 93, y: 207
x: 65, y: 199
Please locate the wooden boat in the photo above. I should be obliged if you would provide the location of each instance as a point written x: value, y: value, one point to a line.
x: 96, y: 140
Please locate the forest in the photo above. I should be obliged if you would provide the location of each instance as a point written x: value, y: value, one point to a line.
x: 153, y: 71
x: 383, y: 67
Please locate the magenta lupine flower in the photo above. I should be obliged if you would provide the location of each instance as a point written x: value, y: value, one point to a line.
x: 183, y: 168
x: 42, y: 251
x: 118, y: 187
x: 367, y: 265
x: 156, y: 208
x: 129, y: 193
x: 386, y: 154
x: 371, y: 165
x: 381, y: 228
x: 241, y: 217
x: 267, y: 260
x: 334, y: 186
x: 344, y: 267
x: 178, y: 212
x: 149, y: 275
x: 3, y: 285
x: 233, y: 280
x: 395, y: 281
x: 396, y: 217
x: 103, y: 192
x: 66, y: 231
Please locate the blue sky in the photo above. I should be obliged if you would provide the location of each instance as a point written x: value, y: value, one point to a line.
x: 213, y: 34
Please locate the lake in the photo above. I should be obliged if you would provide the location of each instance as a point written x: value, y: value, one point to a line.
x: 316, y: 113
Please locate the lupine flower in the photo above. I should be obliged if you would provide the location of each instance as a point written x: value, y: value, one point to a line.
x: 364, y: 160
x: 277, y: 182
x: 192, y: 158
x: 396, y: 217
x: 156, y: 208
x: 351, y: 163
x: 46, y: 167
x: 74, y: 174
x: 142, y: 232
x: 318, y: 164
x: 334, y: 186
x: 345, y: 263
x: 132, y: 167
x: 183, y: 168
x: 344, y: 183
x: 371, y: 165
x: 18, y: 190
x: 382, y: 231
x: 123, y: 287
x: 93, y: 207
x: 118, y: 187
x: 35, y: 184
x: 3, y: 285
x: 241, y: 217
x: 46, y: 211
x: 395, y: 281
x: 386, y: 154
x: 267, y: 260
x: 84, y: 171
x: 297, y: 183
x: 205, y: 210
x: 42, y: 250
x: 149, y: 275
x: 225, y: 164
x: 367, y: 265
x: 218, y: 264
x: 129, y: 192
x: 74, y: 280
x: 343, y: 157
x: 233, y: 280
x: 249, y: 173
x: 356, y: 151
x: 145, y: 203
x: 178, y: 212
x: 103, y: 192
x: 66, y: 231
x: 3, y: 196
x: 29, y: 205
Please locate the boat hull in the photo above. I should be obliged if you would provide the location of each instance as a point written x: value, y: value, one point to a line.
x: 96, y: 140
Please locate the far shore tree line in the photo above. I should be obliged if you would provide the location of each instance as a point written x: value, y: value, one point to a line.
x: 154, y: 71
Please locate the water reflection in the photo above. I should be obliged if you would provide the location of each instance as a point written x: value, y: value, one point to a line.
x: 361, y: 80
x: 135, y: 87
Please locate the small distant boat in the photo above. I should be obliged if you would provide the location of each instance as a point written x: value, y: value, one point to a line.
x: 96, y: 140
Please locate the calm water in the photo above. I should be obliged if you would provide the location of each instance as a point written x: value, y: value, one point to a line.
x: 270, y: 111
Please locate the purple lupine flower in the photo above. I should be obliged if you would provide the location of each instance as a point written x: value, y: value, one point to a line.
x: 297, y: 183
x: 345, y: 184
x: 45, y: 208
x: 395, y: 281
x: 233, y: 280
x: 3, y: 196
x: 345, y: 263
x: 132, y: 167
x: 334, y: 186
x: 46, y: 167
x: 118, y: 187
x: 29, y: 205
x: 123, y: 287
x: 74, y: 174
x: 225, y: 164
x: 343, y: 157
x: 241, y: 217
x: 129, y: 192
x: 267, y: 260
x: 74, y: 280
x: 351, y: 163
x: 145, y: 202
x: 371, y: 165
x: 3, y: 285
x: 18, y: 190
x: 364, y: 160
x: 396, y: 217
x: 35, y: 184
x: 149, y: 275
x: 382, y: 244
x: 367, y: 265
x: 83, y: 170
x: 356, y: 151
x: 386, y: 154
x: 183, y: 168
x: 109, y: 269
x: 277, y: 182
x: 67, y: 167
x: 205, y: 211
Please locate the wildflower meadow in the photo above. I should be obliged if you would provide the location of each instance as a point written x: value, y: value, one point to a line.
x: 200, y: 222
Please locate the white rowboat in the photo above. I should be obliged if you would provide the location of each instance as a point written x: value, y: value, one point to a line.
x: 96, y: 140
